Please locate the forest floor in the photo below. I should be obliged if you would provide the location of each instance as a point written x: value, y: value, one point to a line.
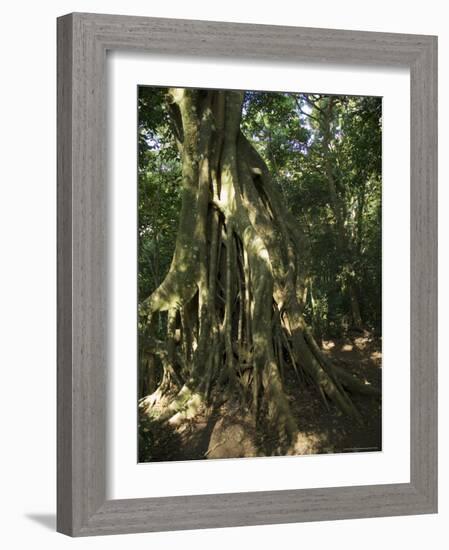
x: 225, y: 431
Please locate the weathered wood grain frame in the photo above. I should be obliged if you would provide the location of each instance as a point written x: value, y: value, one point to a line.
x: 83, y: 40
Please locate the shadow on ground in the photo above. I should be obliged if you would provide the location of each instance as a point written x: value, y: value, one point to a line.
x: 46, y: 520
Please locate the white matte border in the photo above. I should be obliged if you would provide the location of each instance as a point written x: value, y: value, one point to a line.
x: 126, y: 478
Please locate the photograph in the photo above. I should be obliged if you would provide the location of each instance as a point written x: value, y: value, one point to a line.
x: 232, y: 228
x: 259, y: 273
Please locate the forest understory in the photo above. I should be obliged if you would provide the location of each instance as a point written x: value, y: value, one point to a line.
x: 223, y: 430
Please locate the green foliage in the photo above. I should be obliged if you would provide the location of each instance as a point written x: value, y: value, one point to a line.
x: 297, y: 134
x: 159, y: 198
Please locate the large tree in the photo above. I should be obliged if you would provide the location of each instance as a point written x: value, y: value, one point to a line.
x: 231, y: 299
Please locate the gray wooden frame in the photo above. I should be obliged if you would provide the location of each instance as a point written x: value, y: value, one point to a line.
x: 83, y: 40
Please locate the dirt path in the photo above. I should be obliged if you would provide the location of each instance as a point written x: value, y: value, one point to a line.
x: 227, y: 432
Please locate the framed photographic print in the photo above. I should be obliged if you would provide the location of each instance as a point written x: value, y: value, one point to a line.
x: 246, y: 274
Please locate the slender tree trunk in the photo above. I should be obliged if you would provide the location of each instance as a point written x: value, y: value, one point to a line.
x: 344, y: 242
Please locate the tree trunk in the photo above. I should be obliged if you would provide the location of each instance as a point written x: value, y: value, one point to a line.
x: 232, y: 287
x: 344, y: 242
